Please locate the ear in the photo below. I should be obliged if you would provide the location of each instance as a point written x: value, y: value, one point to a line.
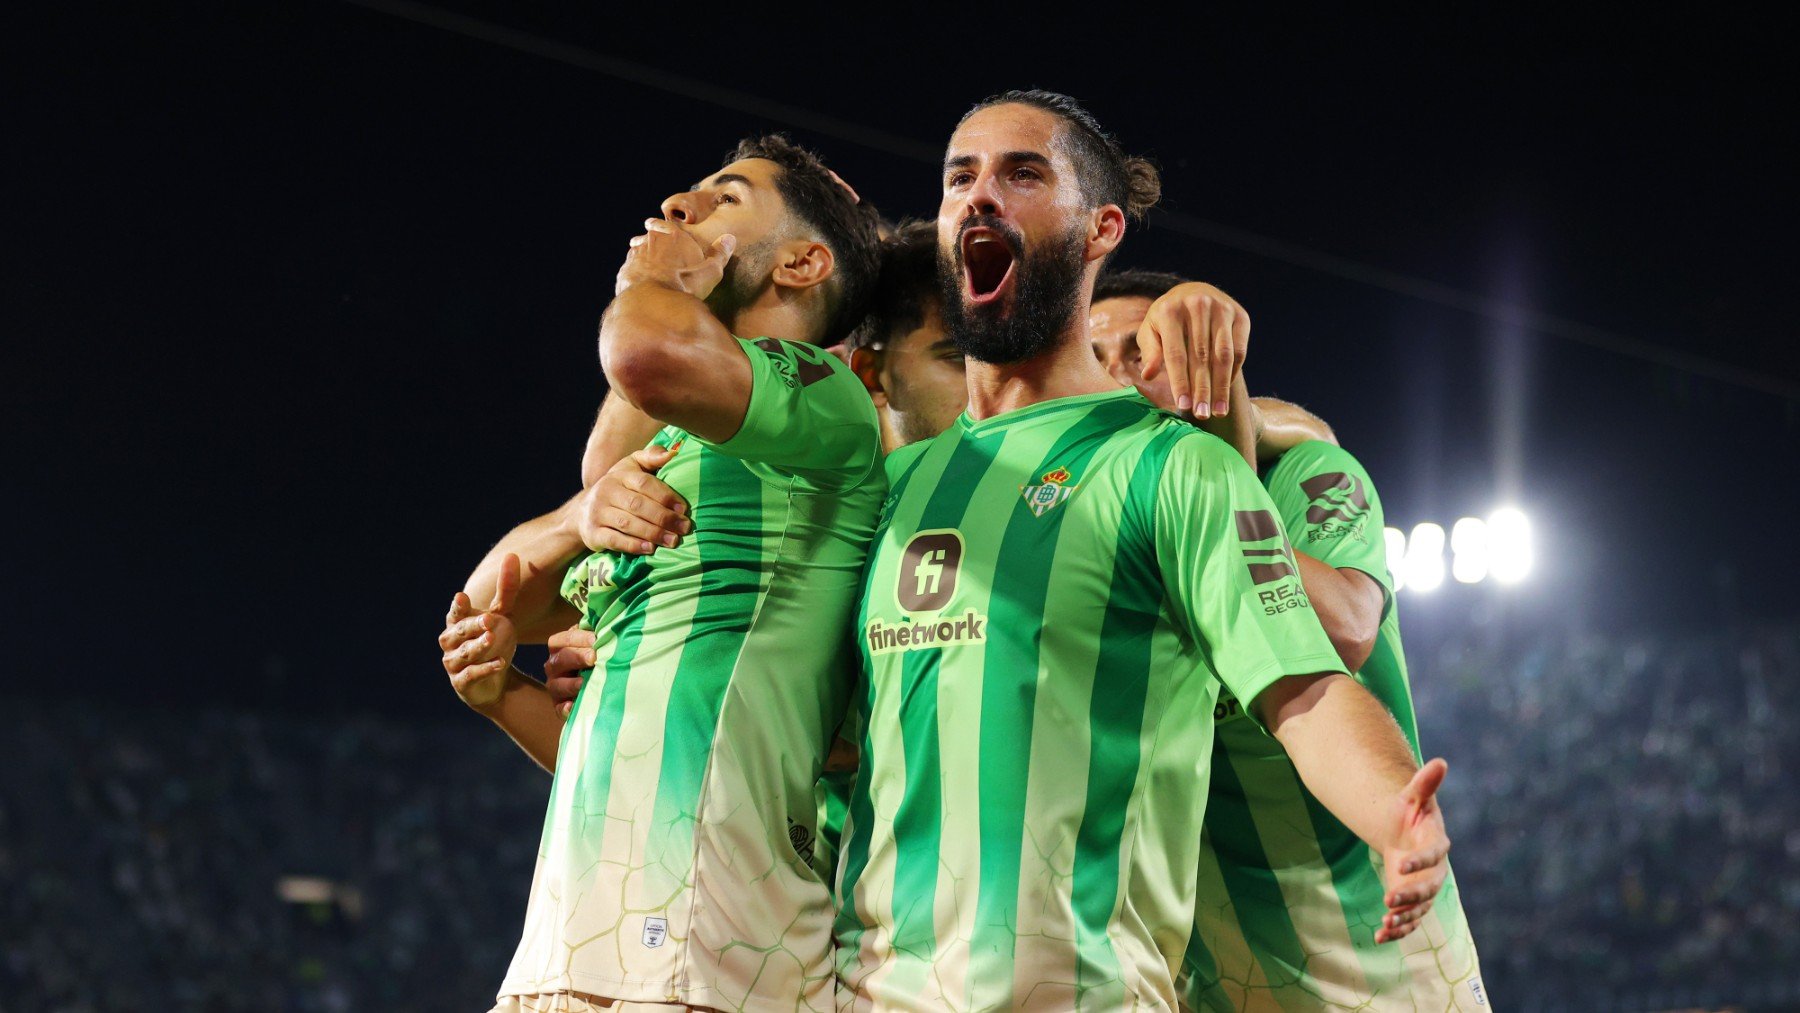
x: 866, y: 364
x: 801, y: 264
x: 1106, y: 230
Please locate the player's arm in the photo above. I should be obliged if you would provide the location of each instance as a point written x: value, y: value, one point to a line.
x: 1328, y: 503
x: 478, y: 648
x: 1350, y: 605
x: 663, y: 350
x: 1354, y: 759
x: 1228, y: 566
x: 1286, y: 425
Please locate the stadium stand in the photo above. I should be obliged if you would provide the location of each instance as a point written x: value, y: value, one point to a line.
x: 1626, y: 817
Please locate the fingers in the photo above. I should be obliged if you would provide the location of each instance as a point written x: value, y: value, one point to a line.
x: 1424, y: 785
x: 1426, y: 858
x: 1400, y: 924
x: 1177, y: 357
x: 1222, y: 360
x: 506, y: 587
x: 476, y: 650
x: 460, y: 608
x: 650, y: 459
x: 567, y: 661
x: 574, y: 636
x: 1416, y: 889
x: 654, y: 500
x: 1196, y: 322
x: 1150, y: 351
x: 462, y: 631
x: 721, y: 250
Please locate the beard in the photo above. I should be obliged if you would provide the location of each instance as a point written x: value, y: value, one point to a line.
x: 746, y: 276
x: 1046, y: 286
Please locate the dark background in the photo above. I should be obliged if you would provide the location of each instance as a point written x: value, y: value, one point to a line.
x: 302, y: 299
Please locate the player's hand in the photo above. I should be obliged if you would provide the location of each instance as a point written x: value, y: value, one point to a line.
x: 666, y: 254
x: 632, y: 511
x: 478, y: 646
x: 1200, y: 335
x: 1416, y: 863
x: 571, y: 655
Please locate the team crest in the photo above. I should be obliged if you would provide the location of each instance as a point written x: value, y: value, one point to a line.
x: 1049, y: 492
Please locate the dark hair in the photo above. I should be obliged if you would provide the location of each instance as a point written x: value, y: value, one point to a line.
x: 908, y: 283
x: 1135, y: 282
x: 846, y: 225
x: 1107, y: 174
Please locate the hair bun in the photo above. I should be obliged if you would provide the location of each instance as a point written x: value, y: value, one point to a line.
x: 1143, y: 186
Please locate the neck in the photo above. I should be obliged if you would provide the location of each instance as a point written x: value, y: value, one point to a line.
x: 772, y: 316
x: 1066, y: 369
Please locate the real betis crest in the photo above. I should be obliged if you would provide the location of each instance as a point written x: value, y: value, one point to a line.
x: 1049, y: 491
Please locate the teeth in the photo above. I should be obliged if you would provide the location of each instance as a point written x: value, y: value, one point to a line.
x: 982, y: 239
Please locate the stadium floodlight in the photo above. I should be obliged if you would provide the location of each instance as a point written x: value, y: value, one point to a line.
x: 1509, y: 545
x: 1469, y: 550
x: 1396, y: 555
x: 1425, y: 557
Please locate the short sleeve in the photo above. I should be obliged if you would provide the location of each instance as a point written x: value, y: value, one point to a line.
x: 1230, y: 571
x: 1329, y: 506
x: 809, y: 416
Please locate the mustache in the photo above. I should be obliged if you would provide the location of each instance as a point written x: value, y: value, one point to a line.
x: 1010, y: 236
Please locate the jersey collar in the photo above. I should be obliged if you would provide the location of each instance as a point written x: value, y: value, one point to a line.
x: 1054, y: 406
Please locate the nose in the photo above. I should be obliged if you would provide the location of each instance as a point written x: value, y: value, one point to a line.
x: 686, y: 208
x: 984, y: 197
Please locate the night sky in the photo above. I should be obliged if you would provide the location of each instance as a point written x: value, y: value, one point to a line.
x: 302, y: 298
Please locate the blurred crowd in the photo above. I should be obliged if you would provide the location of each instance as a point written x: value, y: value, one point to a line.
x: 1626, y: 818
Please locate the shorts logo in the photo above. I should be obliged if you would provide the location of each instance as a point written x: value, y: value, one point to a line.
x: 1049, y: 492
x: 928, y: 570
x: 1334, y: 495
x: 801, y: 839
x: 1267, y: 563
x: 656, y: 930
x: 1475, y: 987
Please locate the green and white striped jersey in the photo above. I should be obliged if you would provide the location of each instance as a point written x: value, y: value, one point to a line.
x: 1054, y: 598
x: 675, y: 864
x: 1290, y: 899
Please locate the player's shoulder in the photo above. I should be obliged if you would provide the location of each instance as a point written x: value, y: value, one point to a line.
x: 799, y: 363
x: 1313, y: 456
x: 901, y: 460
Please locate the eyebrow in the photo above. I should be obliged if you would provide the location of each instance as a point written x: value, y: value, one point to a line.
x: 726, y: 177
x: 1013, y: 157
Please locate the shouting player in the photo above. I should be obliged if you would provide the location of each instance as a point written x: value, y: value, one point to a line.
x: 1061, y: 583
x: 674, y: 870
x: 1290, y: 898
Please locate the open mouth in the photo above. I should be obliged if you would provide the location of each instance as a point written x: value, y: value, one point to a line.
x: 987, y: 264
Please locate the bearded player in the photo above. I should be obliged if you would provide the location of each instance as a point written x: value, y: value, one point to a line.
x: 671, y: 874
x: 1290, y: 898
x: 1061, y: 584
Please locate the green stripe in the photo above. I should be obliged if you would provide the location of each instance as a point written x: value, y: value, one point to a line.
x: 1384, y: 674
x: 730, y: 584
x: 1021, y: 583
x: 594, y: 782
x: 918, y: 822
x: 1115, y: 731
x: 1272, y: 938
x: 1360, y: 894
x: 861, y: 819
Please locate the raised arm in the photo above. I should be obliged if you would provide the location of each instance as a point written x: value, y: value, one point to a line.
x: 1354, y: 759
x: 663, y: 350
x: 1285, y: 425
x: 478, y: 648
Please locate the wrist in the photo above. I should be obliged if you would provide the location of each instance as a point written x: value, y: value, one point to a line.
x: 494, y: 709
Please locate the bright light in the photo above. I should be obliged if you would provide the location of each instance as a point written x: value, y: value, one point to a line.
x: 1425, y: 558
x: 1509, y: 545
x: 1396, y: 555
x: 1469, y: 550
